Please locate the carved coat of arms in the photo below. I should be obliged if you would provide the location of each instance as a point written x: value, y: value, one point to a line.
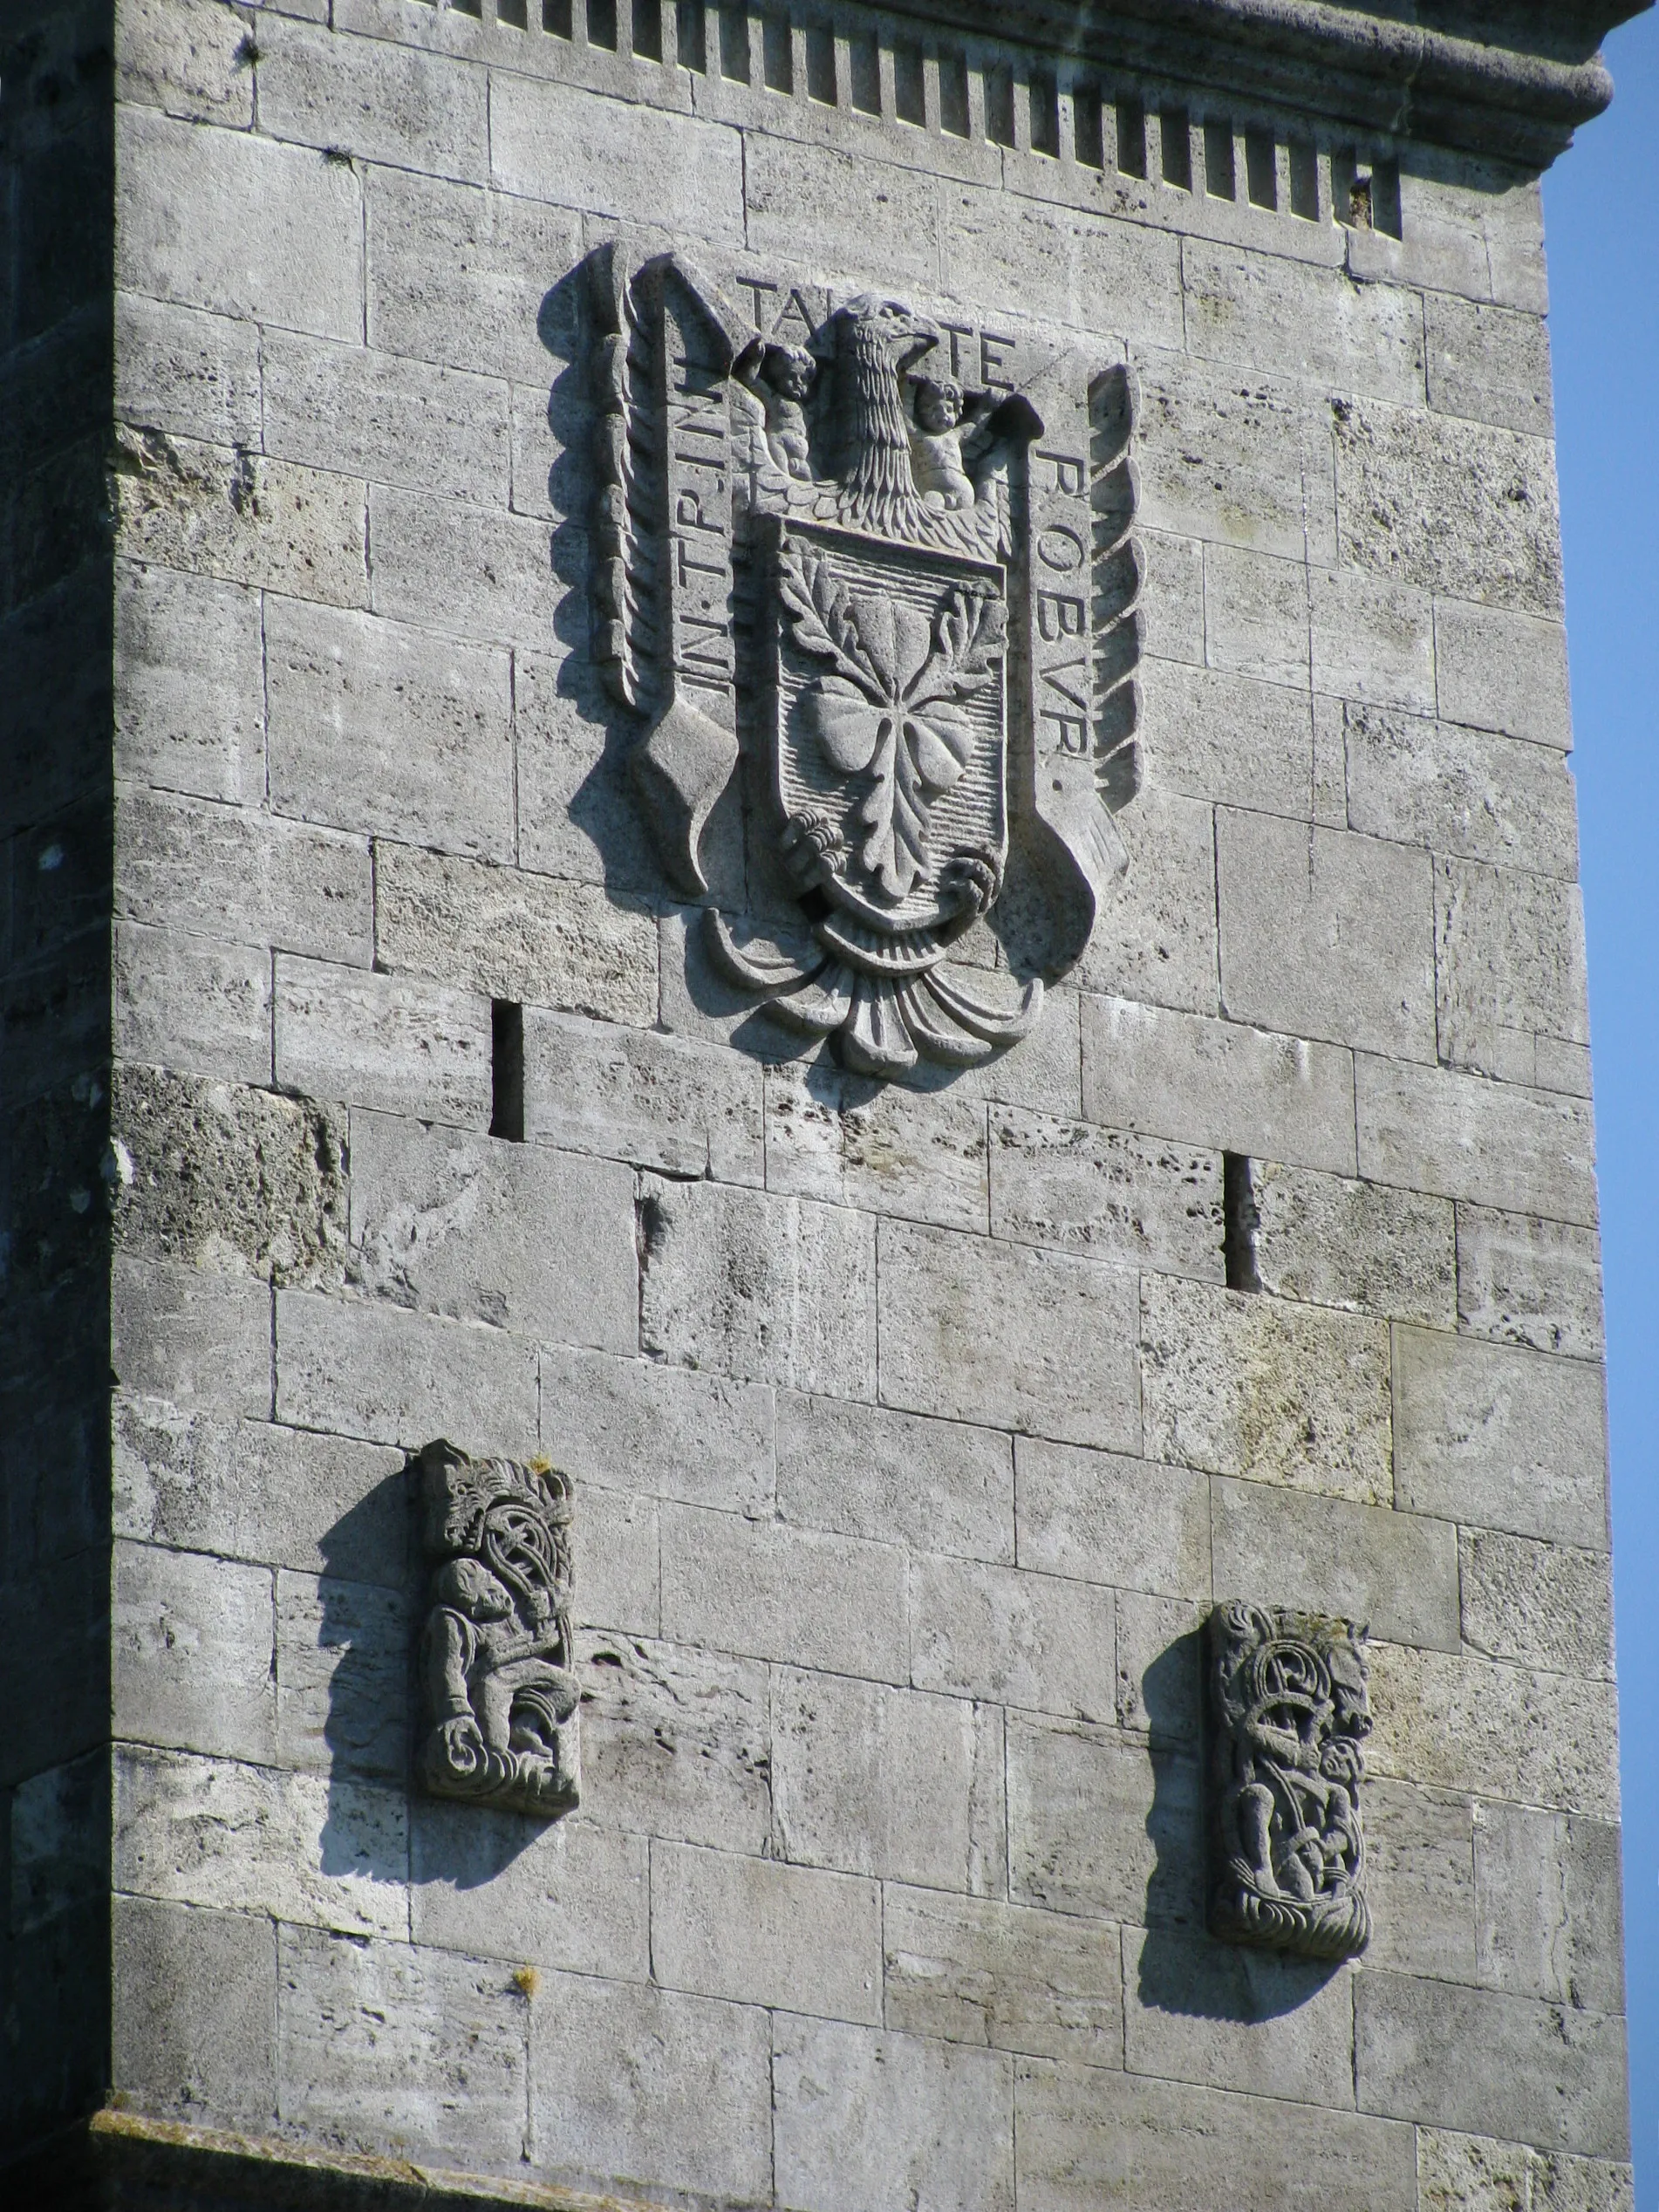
x: 899, y: 614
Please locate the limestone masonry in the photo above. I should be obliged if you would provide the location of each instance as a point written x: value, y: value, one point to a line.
x: 800, y: 1324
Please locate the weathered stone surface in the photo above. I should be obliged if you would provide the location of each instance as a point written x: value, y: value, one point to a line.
x: 973, y: 1970
x: 401, y: 2050
x: 651, y: 2084
x: 1111, y: 1520
x: 377, y: 726
x: 781, y: 1592
x: 1372, y: 639
x: 472, y: 569
x: 193, y: 1653
x: 1543, y: 1605
x: 1156, y: 938
x: 1509, y: 972
x: 892, y: 1783
x: 1521, y: 1280
x: 1561, y: 2183
x: 1087, y: 2137
x: 1546, y: 1906
x: 1507, y: 2066
x: 374, y: 100
x: 1106, y: 1193
x: 1218, y: 1084
x: 1463, y: 792
x: 342, y: 1675
x: 219, y: 511
x: 1503, y: 672
x: 1328, y: 1241
x: 1202, y: 2011
x: 204, y: 1481
x: 1251, y: 1386
x: 1058, y: 262
x: 177, y: 1333
x: 180, y: 370
x: 1470, y: 2171
x: 1392, y: 1571
x: 189, y: 709
x: 855, y: 208
x: 762, y: 1288
x: 256, y: 1838
x: 1505, y: 1438
x: 1499, y: 1731
x: 1489, y: 363
x: 548, y: 142
x: 1325, y: 934
x: 637, y: 1426
x: 1438, y: 1130
x: 231, y: 223
x: 1100, y: 1824
x: 1419, y: 1879
x: 659, y: 1102
x: 978, y: 1331
x: 223, y: 1178
x: 190, y: 59
x: 1399, y: 474
x: 862, y: 1470
x: 856, y: 1141
x: 621, y: 1560
x: 1255, y: 615
x: 1230, y: 738
x: 368, y: 413
x: 194, y: 2021
x: 409, y: 1048
x: 377, y: 1371
x: 1159, y: 1662
x: 191, y: 1002
x: 678, y: 1742
x: 561, y: 1894
x: 536, y: 1241
x: 760, y: 1932
x: 1251, y: 308
x: 1173, y: 597
x: 1015, y: 1637
x: 1238, y: 459
x: 511, y: 935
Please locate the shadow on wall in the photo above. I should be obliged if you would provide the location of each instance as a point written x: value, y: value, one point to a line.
x: 363, y: 1643
x: 1182, y: 1969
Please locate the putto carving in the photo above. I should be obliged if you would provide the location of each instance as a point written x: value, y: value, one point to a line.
x: 896, y: 612
x: 1288, y: 1711
x: 499, y: 1693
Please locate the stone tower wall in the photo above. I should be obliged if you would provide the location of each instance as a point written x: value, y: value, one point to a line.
x: 914, y: 1427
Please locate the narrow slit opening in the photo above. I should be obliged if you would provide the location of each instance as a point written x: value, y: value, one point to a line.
x: 1175, y: 148
x: 1385, y: 197
x: 602, y: 25
x: 1045, y: 116
x: 1219, y: 180
x: 999, y: 107
x: 910, y: 101
x: 820, y: 66
x: 866, y: 57
x: 514, y: 13
x: 507, y: 1069
x: 954, y: 94
x: 735, y: 44
x: 777, y: 59
x: 1240, y: 1220
x: 1261, y: 169
x: 556, y: 18
x: 690, y: 37
x: 1087, y: 145
x: 1304, y: 180
x: 647, y: 30
x: 1131, y: 139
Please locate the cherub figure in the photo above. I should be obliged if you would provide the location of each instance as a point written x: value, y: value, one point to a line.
x: 943, y: 415
x: 782, y: 379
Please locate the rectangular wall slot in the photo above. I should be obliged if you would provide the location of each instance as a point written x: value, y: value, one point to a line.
x: 735, y: 44
x: 1088, y: 144
x: 1241, y: 1220
x: 690, y: 37
x: 1219, y: 181
x: 864, y: 55
x: 507, y: 1069
x: 821, y: 65
x: 1045, y: 116
x: 1131, y: 139
x: 556, y: 18
x: 647, y: 30
x: 1261, y: 173
x: 602, y: 25
x: 1304, y: 180
x: 910, y: 96
x: 954, y: 94
x: 1175, y: 148
x: 999, y: 107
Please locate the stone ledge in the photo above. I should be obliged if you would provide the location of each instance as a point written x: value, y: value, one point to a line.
x: 122, y: 2162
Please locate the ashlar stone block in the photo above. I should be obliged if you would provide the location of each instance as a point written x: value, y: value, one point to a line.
x: 666, y: 1103
x: 678, y: 1742
x: 1490, y: 364
x: 1541, y: 1605
x: 1248, y: 307
x: 185, y: 372
x: 193, y: 1003
x: 375, y: 726
x: 1547, y: 1921
x: 1160, y: 1666
x: 637, y: 1426
x: 853, y: 1141
x: 380, y: 1041
x: 190, y: 711
x: 1510, y: 974
x: 895, y: 1477
x: 379, y: 101
x: 892, y: 1783
x: 1200, y: 2011
x: 1503, y: 670
x: 1103, y: 1824
x: 973, y: 1329
x: 631, y: 163
x: 1255, y: 1386
x: 1420, y: 1879
x: 1061, y: 263
x: 1255, y: 615
x: 1522, y: 1280
x: 186, y: 58
x: 193, y: 1653
x: 1330, y: 1241
x: 778, y: 1592
x: 1230, y: 738
x: 1463, y: 1136
x: 970, y: 1970
x: 1155, y: 940
x: 368, y: 413
x: 763, y: 1933
x: 1396, y: 1572
x: 1502, y: 1439
x: 194, y: 2023
x: 472, y: 571
x: 401, y: 2048
x: 194, y: 1338
x: 1372, y: 639
x: 342, y: 1675
x: 1244, y: 462
x: 1109, y: 1518
x: 1326, y: 934
x: 565, y: 1894
x: 367, y: 1369
x: 1005, y: 1634
x: 760, y: 1288
x: 1108, y: 1194
x: 1496, y: 1732
x: 525, y: 1239
x: 1469, y: 794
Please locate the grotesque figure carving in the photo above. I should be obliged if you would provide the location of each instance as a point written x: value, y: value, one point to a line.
x: 1287, y: 1713
x: 499, y: 1698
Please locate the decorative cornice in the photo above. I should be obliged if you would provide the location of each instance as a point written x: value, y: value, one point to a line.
x: 1508, y: 81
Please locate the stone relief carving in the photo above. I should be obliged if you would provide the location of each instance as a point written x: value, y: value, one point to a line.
x: 499, y: 1693
x: 900, y: 613
x: 1288, y: 1711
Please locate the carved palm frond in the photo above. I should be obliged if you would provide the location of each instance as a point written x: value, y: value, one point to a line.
x: 1113, y: 497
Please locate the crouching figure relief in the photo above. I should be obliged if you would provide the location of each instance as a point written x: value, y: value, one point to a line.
x: 498, y: 1689
x: 1287, y: 1713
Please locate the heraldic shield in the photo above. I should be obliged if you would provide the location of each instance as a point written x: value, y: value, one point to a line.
x: 897, y: 611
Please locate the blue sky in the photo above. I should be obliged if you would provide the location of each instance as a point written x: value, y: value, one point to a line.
x: 1604, y: 330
